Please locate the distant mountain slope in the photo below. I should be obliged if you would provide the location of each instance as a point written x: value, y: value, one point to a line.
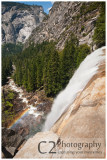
x: 64, y: 18
x: 18, y: 21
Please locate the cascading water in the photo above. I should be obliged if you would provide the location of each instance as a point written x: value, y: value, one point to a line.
x: 87, y: 69
x: 32, y: 110
x: 26, y: 121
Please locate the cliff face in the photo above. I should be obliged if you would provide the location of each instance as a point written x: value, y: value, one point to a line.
x: 64, y: 18
x: 22, y: 23
x: 85, y: 124
x: 18, y: 21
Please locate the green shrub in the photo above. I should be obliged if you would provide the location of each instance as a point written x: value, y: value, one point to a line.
x: 9, y: 104
x: 10, y: 95
x: 84, y: 34
x: 83, y: 51
x: 82, y: 28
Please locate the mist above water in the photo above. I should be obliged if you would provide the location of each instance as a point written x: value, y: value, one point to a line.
x: 87, y: 69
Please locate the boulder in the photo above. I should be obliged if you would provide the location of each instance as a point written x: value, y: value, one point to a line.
x: 10, y: 142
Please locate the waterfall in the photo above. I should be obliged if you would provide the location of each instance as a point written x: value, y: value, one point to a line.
x: 87, y: 69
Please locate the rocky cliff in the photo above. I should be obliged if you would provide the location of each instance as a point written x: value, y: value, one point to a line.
x: 80, y: 131
x: 64, y: 18
x: 11, y: 144
x: 18, y: 21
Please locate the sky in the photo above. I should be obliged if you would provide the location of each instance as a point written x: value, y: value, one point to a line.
x: 46, y: 5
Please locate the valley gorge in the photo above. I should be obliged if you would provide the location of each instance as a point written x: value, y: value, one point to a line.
x: 53, y: 80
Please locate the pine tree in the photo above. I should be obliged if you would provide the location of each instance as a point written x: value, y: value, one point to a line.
x: 99, y: 33
x: 19, y: 75
x: 30, y: 84
x: 68, y: 62
x: 53, y: 76
x: 83, y: 51
x: 39, y: 74
x: 25, y: 79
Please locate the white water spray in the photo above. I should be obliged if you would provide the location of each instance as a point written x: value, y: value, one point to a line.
x: 87, y: 69
x: 32, y: 110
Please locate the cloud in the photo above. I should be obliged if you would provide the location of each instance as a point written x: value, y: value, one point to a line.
x: 49, y: 9
x: 52, y: 2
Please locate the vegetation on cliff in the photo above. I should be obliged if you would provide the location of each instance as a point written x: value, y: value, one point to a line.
x: 8, y: 112
x: 8, y: 51
x: 99, y: 34
x: 6, y: 68
x: 11, y: 48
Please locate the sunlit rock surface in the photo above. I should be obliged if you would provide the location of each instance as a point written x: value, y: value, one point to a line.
x: 64, y: 18
x: 18, y: 21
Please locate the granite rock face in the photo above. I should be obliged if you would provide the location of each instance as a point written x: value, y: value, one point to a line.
x: 64, y: 18
x: 18, y: 21
x: 11, y: 141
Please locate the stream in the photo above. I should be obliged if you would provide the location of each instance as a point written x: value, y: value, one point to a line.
x: 30, y: 120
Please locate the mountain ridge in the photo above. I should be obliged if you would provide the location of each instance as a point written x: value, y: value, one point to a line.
x: 11, y: 4
x: 64, y: 18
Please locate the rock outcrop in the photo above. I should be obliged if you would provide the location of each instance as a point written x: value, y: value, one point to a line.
x: 18, y: 21
x: 78, y: 133
x: 64, y: 18
x: 11, y: 141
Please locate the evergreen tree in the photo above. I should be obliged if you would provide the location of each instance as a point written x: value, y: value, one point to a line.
x: 25, y: 79
x: 39, y: 72
x: 68, y: 60
x: 6, y: 68
x: 83, y: 51
x: 30, y: 86
x: 99, y: 34
x: 53, y: 75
